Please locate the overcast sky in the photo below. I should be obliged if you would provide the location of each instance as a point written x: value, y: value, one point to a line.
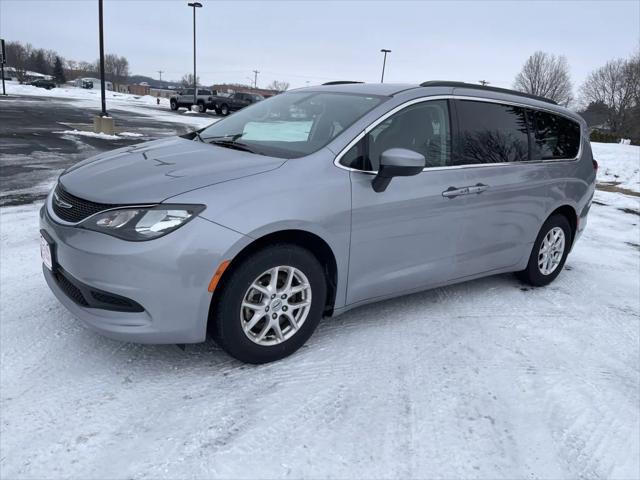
x: 300, y: 41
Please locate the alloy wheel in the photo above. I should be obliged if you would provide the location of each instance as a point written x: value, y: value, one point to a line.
x: 275, y: 305
x: 551, y: 251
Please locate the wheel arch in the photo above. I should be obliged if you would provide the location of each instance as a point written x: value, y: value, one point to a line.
x: 302, y: 238
x: 571, y: 215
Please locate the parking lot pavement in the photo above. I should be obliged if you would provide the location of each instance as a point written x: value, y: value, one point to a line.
x: 34, y: 147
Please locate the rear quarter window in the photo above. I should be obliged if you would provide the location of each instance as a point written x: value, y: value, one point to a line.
x: 555, y: 137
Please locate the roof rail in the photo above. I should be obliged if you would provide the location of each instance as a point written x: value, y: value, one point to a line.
x: 341, y: 82
x: 444, y: 83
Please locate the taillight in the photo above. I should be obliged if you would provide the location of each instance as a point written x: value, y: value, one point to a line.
x: 595, y: 165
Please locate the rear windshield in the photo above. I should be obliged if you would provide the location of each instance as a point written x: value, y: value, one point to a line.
x: 292, y: 125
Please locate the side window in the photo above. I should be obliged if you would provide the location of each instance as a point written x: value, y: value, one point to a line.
x: 423, y: 127
x: 188, y: 91
x: 555, y: 137
x: 491, y: 133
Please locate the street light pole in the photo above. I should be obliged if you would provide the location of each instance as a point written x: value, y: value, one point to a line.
x: 195, y: 83
x: 102, y: 87
x: 384, y: 62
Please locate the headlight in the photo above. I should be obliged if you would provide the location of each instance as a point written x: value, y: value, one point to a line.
x: 142, y: 223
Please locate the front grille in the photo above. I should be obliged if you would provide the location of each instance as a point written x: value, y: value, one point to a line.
x: 87, y: 296
x: 73, y: 209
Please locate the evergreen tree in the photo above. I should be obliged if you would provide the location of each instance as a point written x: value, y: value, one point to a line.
x: 58, y: 72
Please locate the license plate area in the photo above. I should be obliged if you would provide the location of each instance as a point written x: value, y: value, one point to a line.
x: 47, y: 250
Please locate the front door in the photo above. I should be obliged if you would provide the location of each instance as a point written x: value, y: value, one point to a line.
x: 404, y: 238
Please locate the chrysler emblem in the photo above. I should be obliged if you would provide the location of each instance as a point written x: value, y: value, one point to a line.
x: 59, y: 202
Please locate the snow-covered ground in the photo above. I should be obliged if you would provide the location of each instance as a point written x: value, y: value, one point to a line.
x: 90, y: 98
x: 619, y: 164
x: 487, y: 379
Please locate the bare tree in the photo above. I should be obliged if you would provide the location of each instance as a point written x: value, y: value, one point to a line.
x: 546, y: 75
x: 633, y: 77
x: 278, y: 86
x: 116, y: 69
x: 616, y: 85
x: 18, y: 56
x: 38, y: 62
x: 86, y: 68
x: 187, y: 80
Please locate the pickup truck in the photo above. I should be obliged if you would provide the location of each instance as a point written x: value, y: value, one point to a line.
x: 204, y: 99
x: 236, y: 101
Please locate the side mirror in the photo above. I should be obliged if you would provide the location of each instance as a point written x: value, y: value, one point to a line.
x: 397, y: 162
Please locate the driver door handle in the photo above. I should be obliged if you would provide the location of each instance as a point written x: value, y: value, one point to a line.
x: 478, y: 188
x: 453, y: 192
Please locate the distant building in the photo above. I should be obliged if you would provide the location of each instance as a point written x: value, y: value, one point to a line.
x: 161, y: 92
x: 139, y: 89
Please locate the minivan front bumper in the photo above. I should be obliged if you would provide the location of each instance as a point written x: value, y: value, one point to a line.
x: 164, y: 280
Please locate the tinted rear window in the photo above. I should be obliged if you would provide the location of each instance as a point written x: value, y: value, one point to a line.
x: 491, y: 133
x: 555, y: 136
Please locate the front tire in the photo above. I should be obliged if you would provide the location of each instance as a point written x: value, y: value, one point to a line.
x: 201, y: 107
x: 173, y: 104
x: 549, y: 252
x: 269, y: 305
x: 224, y: 109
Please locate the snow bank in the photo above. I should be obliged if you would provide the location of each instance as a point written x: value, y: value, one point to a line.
x: 90, y: 99
x: 83, y: 133
x: 618, y: 164
x: 14, y: 88
x: 103, y: 136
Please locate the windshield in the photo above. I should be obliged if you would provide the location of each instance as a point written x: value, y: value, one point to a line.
x: 291, y: 125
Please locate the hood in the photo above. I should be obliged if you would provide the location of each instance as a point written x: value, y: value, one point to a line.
x: 153, y: 171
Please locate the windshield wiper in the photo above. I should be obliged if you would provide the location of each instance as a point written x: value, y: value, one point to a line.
x: 235, y: 145
x: 232, y: 137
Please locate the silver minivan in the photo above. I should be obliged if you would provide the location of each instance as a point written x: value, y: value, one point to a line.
x: 314, y: 202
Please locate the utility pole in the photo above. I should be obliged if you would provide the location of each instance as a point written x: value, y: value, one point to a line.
x: 255, y: 78
x: 484, y: 83
x: 195, y: 83
x: 384, y: 63
x: 160, y: 72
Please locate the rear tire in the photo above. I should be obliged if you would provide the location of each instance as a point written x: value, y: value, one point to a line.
x: 276, y: 334
x: 546, y: 260
x: 201, y: 107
